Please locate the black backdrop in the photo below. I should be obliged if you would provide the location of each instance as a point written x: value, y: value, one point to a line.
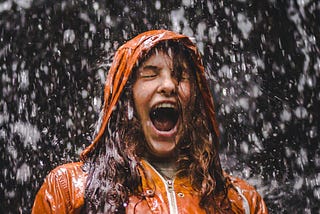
x: 263, y: 63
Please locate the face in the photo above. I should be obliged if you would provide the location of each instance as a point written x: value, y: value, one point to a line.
x: 163, y: 102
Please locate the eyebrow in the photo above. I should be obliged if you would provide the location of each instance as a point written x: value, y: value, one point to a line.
x: 151, y: 67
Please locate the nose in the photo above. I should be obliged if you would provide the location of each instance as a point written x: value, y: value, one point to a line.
x: 168, y: 84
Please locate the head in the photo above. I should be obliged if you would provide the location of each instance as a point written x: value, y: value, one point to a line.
x: 164, y: 98
x: 156, y: 103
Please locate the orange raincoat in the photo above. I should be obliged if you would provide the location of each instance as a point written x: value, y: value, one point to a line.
x: 63, y: 189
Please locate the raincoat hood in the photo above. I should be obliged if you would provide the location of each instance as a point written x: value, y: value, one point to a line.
x: 125, y: 60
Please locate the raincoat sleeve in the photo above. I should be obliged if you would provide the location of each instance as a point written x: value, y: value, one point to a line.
x: 59, y: 192
x: 246, y: 198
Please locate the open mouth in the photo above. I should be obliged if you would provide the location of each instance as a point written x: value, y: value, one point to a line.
x: 164, y: 116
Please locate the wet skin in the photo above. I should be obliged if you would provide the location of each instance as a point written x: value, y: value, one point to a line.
x: 157, y: 86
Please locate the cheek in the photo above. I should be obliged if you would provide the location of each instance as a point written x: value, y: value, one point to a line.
x: 140, y: 95
x: 137, y: 99
x: 185, y: 90
x: 141, y: 98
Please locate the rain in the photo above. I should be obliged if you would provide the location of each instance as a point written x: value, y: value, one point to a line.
x: 262, y: 60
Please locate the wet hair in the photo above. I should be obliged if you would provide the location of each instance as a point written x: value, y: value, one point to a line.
x: 113, y: 167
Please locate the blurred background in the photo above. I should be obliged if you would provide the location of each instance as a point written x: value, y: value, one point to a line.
x: 263, y: 63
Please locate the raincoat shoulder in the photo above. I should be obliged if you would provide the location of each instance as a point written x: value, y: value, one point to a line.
x: 62, y: 191
x: 244, y: 198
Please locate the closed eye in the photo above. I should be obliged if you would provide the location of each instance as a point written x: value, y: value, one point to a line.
x: 149, y: 71
x: 182, y: 74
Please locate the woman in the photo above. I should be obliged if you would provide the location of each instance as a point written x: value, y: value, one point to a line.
x: 156, y: 145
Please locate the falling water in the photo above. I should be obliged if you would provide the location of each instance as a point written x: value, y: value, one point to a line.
x: 262, y: 60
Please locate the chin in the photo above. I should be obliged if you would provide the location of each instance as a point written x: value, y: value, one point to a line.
x: 166, y: 149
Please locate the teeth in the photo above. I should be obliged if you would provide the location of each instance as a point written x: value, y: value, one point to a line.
x: 165, y: 105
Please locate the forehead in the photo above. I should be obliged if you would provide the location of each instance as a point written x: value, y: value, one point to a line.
x: 159, y: 58
x: 166, y: 56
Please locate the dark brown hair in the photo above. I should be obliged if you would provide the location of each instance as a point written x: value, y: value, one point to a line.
x: 113, y: 166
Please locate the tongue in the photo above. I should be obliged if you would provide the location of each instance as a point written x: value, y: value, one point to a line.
x: 163, y: 124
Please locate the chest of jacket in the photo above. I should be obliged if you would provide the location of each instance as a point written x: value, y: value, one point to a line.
x: 164, y: 196
x: 63, y: 191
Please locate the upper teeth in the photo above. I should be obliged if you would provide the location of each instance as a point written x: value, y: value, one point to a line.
x: 165, y: 105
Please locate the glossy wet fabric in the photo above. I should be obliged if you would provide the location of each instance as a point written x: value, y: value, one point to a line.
x: 63, y: 192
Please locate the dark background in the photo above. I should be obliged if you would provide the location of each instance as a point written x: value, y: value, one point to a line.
x: 263, y: 63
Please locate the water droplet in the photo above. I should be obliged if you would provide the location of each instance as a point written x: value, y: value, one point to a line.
x: 69, y: 36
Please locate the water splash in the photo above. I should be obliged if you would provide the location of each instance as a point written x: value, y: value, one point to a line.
x: 262, y: 60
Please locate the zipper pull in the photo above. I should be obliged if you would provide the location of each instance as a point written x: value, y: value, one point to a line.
x: 170, y: 185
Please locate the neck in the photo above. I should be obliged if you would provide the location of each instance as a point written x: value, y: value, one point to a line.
x: 167, y: 167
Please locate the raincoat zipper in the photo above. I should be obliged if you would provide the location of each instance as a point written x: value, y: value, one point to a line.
x: 171, y: 197
x: 169, y: 185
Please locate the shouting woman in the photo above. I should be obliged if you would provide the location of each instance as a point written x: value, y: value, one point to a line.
x: 155, y: 149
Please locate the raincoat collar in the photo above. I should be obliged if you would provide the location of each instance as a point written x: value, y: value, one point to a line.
x: 124, y: 61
